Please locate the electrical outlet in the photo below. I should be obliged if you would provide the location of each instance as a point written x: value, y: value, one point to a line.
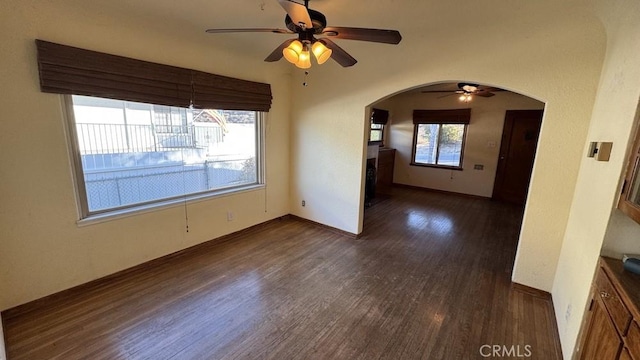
x: 229, y: 215
x: 304, y: 203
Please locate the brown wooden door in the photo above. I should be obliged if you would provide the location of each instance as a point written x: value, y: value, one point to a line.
x: 517, y: 152
x: 602, y: 342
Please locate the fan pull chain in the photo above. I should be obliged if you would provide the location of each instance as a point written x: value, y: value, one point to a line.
x: 305, y: 83
x: 186, y: 216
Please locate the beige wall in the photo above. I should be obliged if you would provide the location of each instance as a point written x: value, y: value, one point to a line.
x: 487, y: 120
x: 598, y: 183
x: 42, y: 249
x: 535, y: 54
x: 622, y: 236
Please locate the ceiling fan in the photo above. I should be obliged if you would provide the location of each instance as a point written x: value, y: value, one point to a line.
x: 467, y: 90
x: 308, y: 24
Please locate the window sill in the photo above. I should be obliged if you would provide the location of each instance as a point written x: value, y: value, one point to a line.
x: 163, y: 205
x: 456, y: 168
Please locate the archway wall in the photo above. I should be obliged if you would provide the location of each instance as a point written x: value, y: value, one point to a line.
x: 549, y: 53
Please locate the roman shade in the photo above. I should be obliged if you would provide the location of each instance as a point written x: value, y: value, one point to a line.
x: 70, y: 70
x: 379, y: 116
x: 221, y: 92
x: 456, y: 116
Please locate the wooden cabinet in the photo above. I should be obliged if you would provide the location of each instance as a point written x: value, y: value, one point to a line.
x: 386, y: 161
x: 602, y: 340
x: 612, y: 331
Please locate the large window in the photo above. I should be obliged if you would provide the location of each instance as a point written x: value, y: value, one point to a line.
x: 439, y: 137
x: 145, y: 134
x: 130, y: 154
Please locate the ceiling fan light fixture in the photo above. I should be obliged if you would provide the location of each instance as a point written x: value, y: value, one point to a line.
x: 321, y: 52
x: 466, y: 97
x: 293, y: 51
x: 304, y: 60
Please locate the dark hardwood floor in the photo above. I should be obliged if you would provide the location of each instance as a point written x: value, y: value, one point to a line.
x: 428, y: 279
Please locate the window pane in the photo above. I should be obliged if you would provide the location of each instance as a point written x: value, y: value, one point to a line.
x: 376, y: 135
x: 426, y: 143
x: 451, y: 144
x: 134, y: 153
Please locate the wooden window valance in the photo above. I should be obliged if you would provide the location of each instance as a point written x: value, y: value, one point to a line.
x: 379, y: 116
x: 456, y: 116
x: 69, y: 70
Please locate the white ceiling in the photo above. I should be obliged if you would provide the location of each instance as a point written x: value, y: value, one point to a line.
x: 422, y: 22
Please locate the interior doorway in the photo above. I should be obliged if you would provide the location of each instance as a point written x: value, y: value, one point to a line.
x: 478, y: 144
x: 517, y: 153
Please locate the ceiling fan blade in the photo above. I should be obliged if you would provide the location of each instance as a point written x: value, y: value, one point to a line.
x: 339, y: 55
x: 444, y: 96
x: 489, y: 88
x: 437, y: 91
x: 277, y: 53
x: 222, y: 31
x: 363, y: 34
x: 297, y: 12
x: 484, y: 93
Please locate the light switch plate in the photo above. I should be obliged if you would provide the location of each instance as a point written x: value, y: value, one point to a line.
x: 604, y: 151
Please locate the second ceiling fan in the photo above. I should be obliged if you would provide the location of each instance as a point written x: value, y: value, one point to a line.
x: 467, y: 90
x: 314, y: 36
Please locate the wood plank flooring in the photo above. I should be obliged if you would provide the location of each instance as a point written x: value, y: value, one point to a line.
x: 428, y: 279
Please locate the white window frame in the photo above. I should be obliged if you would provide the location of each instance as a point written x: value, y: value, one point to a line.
x: 85, y: 216
x: 414, y: 150
x: 372, y: 130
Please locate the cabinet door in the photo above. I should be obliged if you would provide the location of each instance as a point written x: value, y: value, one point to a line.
x: 624, y: 355
x: 618, y: 312
x: 633, y: 340
x: 602, y: 341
